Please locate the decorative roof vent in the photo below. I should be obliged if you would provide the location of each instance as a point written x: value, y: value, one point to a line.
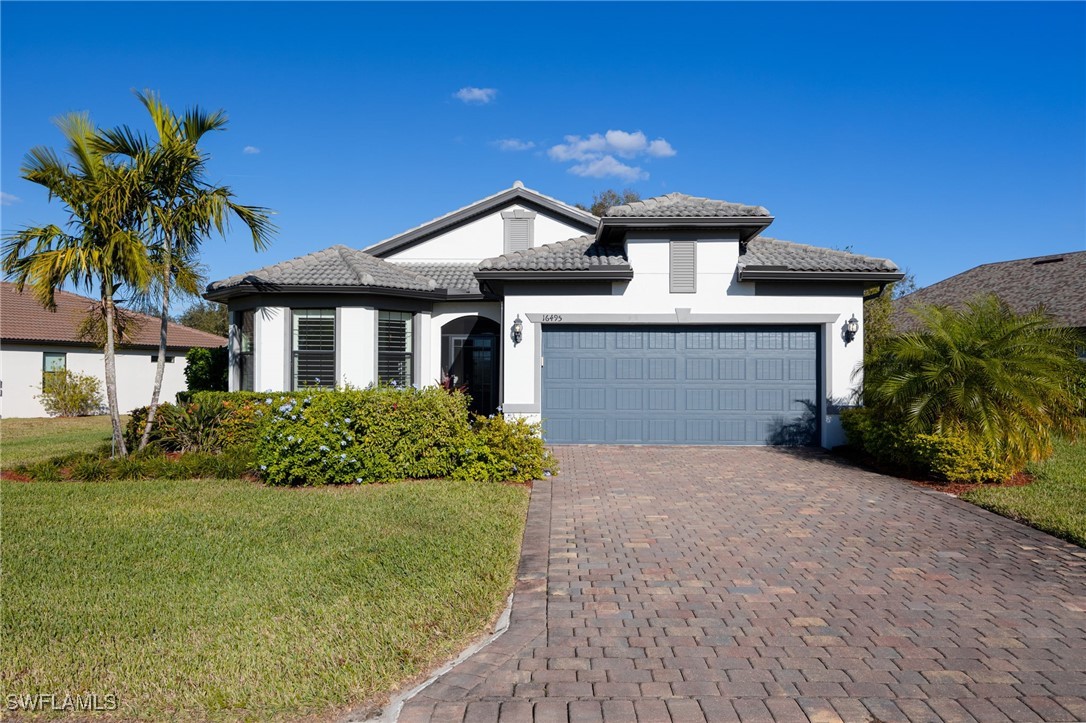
x: 1048, y: 261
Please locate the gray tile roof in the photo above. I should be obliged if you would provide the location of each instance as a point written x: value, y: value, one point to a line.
x: 787, y: 255
x: 675, y: 205
x: 335, y: 266
x: 459, y: 277
x: 576, y: 254
x: 1057, y: 281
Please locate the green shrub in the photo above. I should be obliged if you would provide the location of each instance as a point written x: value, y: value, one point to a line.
x: 503, y: 450
x: 957, y: 458
x: 91, y: 469
x: 371, y: 435
x: 207, y: 369
x: 952, y: 456
x: 70, y: 394
x: 46, y: 471
x: 192, y: 428
x: 137, y: 420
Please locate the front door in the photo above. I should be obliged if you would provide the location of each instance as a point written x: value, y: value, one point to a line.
x: 472, y: 360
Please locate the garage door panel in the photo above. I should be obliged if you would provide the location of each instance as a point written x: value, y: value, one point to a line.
x: 704, y: 385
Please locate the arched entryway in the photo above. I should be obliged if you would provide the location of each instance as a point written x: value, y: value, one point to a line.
x: 470, y: 354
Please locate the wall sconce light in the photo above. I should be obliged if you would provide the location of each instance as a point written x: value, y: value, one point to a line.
x: 852, y: 326
x: 516, y: 332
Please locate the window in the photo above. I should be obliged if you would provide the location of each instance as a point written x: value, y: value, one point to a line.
x: 684, y: 276
x: 244, y: 322
x: 154, y: 359
x: 52, y: 362
x: 314, y: 348
x: 394, y: 347
x: 519, y: 229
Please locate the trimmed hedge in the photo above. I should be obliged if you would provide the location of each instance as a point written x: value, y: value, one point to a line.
x: 377, y: 434
x: 946, y: 456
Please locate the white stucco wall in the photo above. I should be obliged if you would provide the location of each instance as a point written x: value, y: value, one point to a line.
x: 270, y: 350
x: 718, y: 294
x: 483, y: 238
x: 21, y: 371
x: 356, y: 345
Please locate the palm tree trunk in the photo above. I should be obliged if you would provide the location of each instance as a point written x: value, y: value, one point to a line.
x: 160, y: 369
x: 111, y: 372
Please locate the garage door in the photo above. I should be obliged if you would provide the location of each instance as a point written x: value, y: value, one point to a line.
x: 680, y: 385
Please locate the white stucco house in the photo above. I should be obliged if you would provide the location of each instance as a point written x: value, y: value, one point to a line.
x: 672, y: 320
x: 35, y: 341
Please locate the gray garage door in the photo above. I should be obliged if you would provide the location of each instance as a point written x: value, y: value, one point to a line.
x: 680, y: 384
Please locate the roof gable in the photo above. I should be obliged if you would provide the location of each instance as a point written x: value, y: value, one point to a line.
x: 1056, y: 281
x: 517, y: 194
x: 22, y: 318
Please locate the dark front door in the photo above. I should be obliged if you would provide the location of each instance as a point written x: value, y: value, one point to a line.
x: 469, y: 354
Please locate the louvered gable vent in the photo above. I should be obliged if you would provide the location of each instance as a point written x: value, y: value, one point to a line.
x: 519, y: 229
x: 684, y: 272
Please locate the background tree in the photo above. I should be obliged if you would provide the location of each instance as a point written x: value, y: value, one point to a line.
x: 209, y: 316
x: 184, y: 207
x: 877, y: 326
x: 101, y: 245
x: 603, y: 200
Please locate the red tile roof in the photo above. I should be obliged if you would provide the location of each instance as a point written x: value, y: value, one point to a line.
x: 22, y: 318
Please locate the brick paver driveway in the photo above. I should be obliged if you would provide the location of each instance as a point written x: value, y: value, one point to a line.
x: 758, y: 584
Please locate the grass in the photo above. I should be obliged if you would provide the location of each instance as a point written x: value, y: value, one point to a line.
x: 231, y: 600
x: 1056, y: 500
x: 25, y: 441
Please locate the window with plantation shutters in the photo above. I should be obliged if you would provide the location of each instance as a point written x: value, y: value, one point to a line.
x: 684, y: 267
x: 314, y: 348
x: 245, y: 350
x: 519, y: 229
x: 394, y: 347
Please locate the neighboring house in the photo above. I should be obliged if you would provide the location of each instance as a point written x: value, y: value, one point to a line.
x: 36, y: 341
x: 667, y: 321
x: 1055, y: 281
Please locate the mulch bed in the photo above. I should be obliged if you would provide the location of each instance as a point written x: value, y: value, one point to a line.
x: 957, y: 489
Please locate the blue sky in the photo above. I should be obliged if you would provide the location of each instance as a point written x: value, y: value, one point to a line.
x: 940, y: 135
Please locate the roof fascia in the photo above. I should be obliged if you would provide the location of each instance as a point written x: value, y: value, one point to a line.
x: 749, y: 226
x: 764, y: 273
x: 583, y: 219
x: 617, y: 274
x: 245, y: 289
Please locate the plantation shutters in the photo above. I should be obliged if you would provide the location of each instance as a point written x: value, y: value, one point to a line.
x: 684, y: 267
x: 314, y: 348
x: 394, y: 348
x: 245, y: 351
x: 519, y: 229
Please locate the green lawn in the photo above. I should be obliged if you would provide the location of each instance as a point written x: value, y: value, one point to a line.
x: 25, y: 441
x: 1055, y: 502
x: 228, y: 599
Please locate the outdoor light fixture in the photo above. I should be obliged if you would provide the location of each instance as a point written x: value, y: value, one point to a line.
x: 516, y: 332
x: 852, y: 326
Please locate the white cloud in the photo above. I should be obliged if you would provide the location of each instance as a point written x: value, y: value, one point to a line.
x: 250, y: 150
x: 513, y: 144
x: 660, y: 148
x: 470, y: 94
x: 596, y: 154
x: 7, y: 199
x: 608, y: 166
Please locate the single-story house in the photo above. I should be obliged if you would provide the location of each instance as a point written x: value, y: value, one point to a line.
x: 1054, y: 281
x: 671, y: 320
x: 36, y: 341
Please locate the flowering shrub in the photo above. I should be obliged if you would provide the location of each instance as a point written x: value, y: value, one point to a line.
x: 370, y: 435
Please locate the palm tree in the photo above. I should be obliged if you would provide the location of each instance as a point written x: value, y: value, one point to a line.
x: 985, y: 372
x: 100, y: 245
x: 184, y: 208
